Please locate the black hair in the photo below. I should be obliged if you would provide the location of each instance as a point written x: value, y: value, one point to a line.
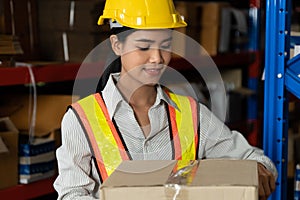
x: 113, y: 63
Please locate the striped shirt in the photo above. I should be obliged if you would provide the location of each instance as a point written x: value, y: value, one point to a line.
x: 78, y: 178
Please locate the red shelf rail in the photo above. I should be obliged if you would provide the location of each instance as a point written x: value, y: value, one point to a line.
x: 43, y: 73
x: 29, y: 191
x: 68, y: 71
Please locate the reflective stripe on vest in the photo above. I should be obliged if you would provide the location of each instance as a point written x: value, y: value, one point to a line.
x: 184, y: 125
x: 107, y: 144
x: 103, y: 137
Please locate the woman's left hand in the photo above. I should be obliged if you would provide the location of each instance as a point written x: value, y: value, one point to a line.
x: 266, y: 182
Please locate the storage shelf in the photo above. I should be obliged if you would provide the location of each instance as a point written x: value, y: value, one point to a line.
x: 42, y: 73
x: 29, y: 191
x: 68, y: 71
x: 292, y: 79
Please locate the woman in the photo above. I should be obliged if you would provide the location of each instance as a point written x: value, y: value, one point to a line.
x: 133, y: 117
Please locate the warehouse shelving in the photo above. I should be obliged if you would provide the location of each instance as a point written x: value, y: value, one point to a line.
x: 68, y: 72
x: 281, y: 77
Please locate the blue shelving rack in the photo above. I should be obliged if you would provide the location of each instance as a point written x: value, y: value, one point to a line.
x: 282, y: 75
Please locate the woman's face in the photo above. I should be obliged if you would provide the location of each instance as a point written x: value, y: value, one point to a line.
x: 144, y: 54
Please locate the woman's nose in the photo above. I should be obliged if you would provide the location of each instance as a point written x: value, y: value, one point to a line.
x: 156, y: 56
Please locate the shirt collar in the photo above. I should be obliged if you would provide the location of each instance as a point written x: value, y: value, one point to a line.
x: 112, y: 96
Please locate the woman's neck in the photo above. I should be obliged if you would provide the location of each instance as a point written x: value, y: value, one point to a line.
x: 140, y: 99
x: 138, y: 95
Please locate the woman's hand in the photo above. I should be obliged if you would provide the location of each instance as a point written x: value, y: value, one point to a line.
x: 266, y: 182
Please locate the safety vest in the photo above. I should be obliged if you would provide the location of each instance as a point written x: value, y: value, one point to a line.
x: 107, y: 144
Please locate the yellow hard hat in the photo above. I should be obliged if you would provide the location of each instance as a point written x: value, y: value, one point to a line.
x: 143, y: 14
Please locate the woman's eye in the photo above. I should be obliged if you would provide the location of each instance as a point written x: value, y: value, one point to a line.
x: 166, y: 46
x: 144, y: 48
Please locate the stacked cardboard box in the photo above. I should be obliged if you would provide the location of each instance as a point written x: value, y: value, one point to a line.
x: 9, y: 47
x: 18, y: 18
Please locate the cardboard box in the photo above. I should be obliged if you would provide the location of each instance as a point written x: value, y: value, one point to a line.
x: 208, y: 179
x: 49, y: 112
x: 209, y: 39
x: 8, y: 153
x: 210, y: 23
x: 204, y: 22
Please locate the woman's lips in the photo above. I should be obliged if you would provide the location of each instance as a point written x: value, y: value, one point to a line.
x: 154, y: 70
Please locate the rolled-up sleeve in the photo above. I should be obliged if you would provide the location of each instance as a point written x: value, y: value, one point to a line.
x: 218, y: 141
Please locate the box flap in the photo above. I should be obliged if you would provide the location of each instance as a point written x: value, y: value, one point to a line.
x: 210, y: 172
x: 3, y: 147
x: 7, y: 126
x: 140, y: 173
x: 226, y: 172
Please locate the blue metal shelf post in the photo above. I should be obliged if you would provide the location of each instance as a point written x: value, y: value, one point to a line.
x: 275, y: 98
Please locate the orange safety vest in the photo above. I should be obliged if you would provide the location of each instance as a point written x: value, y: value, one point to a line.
x: 107, y: 144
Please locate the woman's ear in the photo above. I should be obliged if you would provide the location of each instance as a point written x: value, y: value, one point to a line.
x: 115, y: 44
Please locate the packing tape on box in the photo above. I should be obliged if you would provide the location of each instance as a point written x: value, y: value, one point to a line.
x: 182, y: 175
x: 175, y: 192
